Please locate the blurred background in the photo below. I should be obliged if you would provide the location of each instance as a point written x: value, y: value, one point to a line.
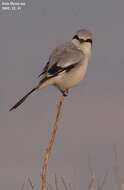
x: 93, y: 114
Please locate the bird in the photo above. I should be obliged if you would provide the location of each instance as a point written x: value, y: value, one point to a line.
x: 66, y: 66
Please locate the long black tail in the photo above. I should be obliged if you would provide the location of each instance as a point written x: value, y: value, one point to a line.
x: 33, y: 90
x: 23, y: 99
x: 26, y: 96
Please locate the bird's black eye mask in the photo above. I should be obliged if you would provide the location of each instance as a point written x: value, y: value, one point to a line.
x: 82, y: 40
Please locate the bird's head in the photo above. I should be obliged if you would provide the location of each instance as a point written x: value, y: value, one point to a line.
x: 83, y: 40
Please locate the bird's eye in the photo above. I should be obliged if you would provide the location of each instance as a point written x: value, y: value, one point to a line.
x: 82, y: 40
x: 89, y: 40
x: 76, y: 37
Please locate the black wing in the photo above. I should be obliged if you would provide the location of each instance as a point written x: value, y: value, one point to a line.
x: 44, y: 69
x: 62, y: 59
x: 55, y: 69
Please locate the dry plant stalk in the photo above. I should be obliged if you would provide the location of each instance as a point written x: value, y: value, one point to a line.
x: 31, y: 183
x: 28, y: 179
x: 44, y: 171
x: 56, y: 182
x: 64, y: 183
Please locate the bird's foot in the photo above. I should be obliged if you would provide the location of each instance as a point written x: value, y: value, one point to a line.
x: 65, y: 93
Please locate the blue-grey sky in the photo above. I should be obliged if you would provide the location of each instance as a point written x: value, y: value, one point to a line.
x: 93, y: 114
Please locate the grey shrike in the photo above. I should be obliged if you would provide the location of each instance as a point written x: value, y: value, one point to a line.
x: 66, y: 66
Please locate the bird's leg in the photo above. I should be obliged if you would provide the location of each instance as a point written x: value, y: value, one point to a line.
x: 65, y: 93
